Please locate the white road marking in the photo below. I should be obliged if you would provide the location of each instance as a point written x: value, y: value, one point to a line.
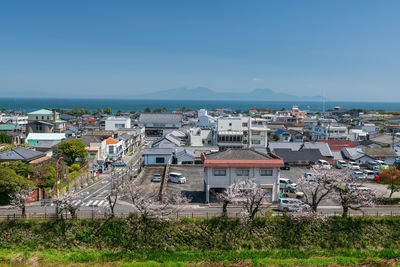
x: 88, y: 204
x: 95, y: 203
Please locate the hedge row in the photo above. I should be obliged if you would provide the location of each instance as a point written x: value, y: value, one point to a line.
x: 388, y: 201
x: 206, y: 234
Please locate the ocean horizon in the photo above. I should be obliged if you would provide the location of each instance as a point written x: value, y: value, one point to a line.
x: 126, y: 105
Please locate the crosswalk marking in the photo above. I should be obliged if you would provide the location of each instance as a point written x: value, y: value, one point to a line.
x: 95, y: 202
x: 101, y: 203
x: 76, y: 202
x: 90, y: 202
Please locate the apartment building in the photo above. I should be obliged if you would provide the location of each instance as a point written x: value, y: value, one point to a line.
x: 116, y: 123
x: 329, y: 131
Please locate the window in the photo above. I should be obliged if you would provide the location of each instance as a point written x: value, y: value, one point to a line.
x: 48, y: 117
x: 255, y: 133
x: 119, y: 125
x: 37, y: 117
x: 111, y: 149
x: 255, y: 142
x: 160, y: 160
x: 244, y: 124
x: 242, y: 172
x: 266, y: 172
x: 230, y: 124
x: 220, y: 172
x: 42, y: 117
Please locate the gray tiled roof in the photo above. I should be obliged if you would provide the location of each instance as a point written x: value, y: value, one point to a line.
x: 160, y: 118
x: 305, y: 154
x: 46, y: 143
x: 20, y: 153
x: 157, y: 151
x: 238, y: 154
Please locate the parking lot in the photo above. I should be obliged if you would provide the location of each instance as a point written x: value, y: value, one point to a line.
x: 144, y: 180
x: 194, y: 186
x: 380, y: 190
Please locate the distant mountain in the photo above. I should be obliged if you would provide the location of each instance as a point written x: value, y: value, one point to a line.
x: 202, y: 93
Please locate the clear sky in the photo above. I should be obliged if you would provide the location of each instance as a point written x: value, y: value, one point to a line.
x: 350, y: 49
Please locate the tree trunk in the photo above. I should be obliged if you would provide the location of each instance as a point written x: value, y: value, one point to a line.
x: 23, y: 211
x: 225, y: 208
x: 345, y: 211
x: 391, y: 192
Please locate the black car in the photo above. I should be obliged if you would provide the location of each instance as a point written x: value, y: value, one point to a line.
x: 286, y: 166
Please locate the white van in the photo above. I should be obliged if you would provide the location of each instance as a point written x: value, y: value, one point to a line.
x: 177, y: 177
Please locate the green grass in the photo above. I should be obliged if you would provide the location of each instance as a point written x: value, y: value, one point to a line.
x: 308, y: 257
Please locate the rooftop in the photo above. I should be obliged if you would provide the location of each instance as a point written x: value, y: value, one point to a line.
x: 160, y: 118
x: 20, y: 153
x: 41, y: 112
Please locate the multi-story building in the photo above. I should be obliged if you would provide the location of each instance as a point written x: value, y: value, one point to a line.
x: 116, y: 123
x: 241, y: 132
x: 221, y: 169
x: 45, y: 121
x: 329, y: 131
x: 205, y: 121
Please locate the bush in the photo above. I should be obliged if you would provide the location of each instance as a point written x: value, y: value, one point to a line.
x: 133, y: 234
x: 387, y: 201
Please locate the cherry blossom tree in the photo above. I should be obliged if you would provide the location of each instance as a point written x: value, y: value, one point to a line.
x: 149, y: 206
x: 227, y: 197
x: 319, y: 184
x: 18, y: 200
x: 67, y: 202
x: 353, y: 196
x: 250, y: 196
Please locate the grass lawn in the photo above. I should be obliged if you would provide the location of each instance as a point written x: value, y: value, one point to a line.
x: 308, y: 257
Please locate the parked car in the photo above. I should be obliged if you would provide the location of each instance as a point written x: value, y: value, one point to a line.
x: 341, y: 164
x: 373, y: 165
x: 324, y: 164
x: 369, y: 174
x: 292, y: 204
x: 119, y: 164
x: 177, y: 177
x: 292, y: 193
x: 353, y: 166
x: 285, y: 183
x: 382, y: 164
x: 286, y: 166
x: 358, y: 175
x: 156, y: 177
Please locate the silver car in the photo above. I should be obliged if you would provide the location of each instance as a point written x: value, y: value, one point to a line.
x: 292, y: 204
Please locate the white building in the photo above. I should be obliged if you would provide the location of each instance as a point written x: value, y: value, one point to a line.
x: 204, y: 120
x: 329, y: 131
x: 201, y: 137
x: 115, y: 123
x: 241, y: 132
x: 221, y: 169
x: 18, y: 120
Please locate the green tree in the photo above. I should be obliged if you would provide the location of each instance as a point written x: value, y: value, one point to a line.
x: 71, y: 150
x: 5, y: 139
x: 10, y: 182
x: 108, y: 111
x: 147, y: 109
x: 133, y: 111
x: 19, y: 167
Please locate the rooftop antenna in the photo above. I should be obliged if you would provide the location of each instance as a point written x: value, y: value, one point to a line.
x: 323, y: 101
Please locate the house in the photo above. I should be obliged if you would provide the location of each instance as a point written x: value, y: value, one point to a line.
x: 115, y: 123
x: 381, y: 153
x: 323, y: 148
x: 157, y: 156
x: 386, y: 140
x: 156, y: 123
x: 46, y: 146
x: 185, y: 156
x: 356, y: 154
x: 9, y: 127
x: 282, y: 135
x: 21, y: 154
x: 166, y: 141
x: 223, y: 168
x: 114, y: 149
x: 33, y: 138
x: 45, y: 121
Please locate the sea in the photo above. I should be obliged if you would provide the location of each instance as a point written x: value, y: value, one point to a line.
x: 31, y: 104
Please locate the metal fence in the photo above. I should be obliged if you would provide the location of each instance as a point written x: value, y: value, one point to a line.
x: 178, y: 215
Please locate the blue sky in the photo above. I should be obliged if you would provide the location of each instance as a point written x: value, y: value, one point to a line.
x: 350, y: 49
